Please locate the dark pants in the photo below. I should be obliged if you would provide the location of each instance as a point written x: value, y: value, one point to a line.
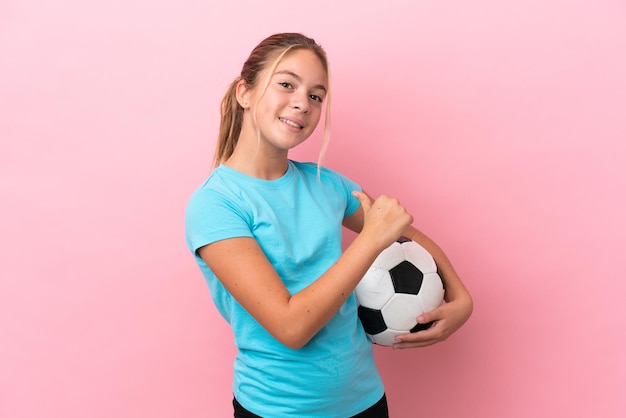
x: 378, y: 410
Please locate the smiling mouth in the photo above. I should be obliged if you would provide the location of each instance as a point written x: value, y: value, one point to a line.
x: 290, y: 123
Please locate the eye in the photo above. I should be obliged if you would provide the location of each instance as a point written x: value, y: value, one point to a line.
x: 316, y: 98
x: 285, y: 85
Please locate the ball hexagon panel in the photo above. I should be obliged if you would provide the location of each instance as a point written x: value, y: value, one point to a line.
x: 419, y: 257
x: 401, y: 311
x: 375, y: 289
x: 390, y: 257
x: 432, y: 292
x: 387, y: 337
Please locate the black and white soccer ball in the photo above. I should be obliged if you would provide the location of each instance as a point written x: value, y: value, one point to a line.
x: 402, y: 283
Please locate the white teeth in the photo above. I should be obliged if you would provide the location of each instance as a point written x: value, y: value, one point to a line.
x: 290, y: 123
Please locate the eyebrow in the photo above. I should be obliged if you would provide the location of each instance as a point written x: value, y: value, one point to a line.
x: 297, y: 77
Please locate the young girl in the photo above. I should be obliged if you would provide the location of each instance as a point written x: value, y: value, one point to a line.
x: 266, y: 233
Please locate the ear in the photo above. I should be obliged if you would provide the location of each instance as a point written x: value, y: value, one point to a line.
x: 243, y: 94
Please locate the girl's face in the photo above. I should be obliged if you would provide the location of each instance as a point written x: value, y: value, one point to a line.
x: 289, y: 110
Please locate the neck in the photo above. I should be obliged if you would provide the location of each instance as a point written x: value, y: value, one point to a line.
x: 255, y: 157
x: 254, y: 164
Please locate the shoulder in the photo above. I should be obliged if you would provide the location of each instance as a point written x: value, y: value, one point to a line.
x: 311, y: 169
x: 220, y: 183
x: 216, y: 211
x: 217, y: 192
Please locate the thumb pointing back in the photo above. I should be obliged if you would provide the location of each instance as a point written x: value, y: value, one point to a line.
x: 365, y: 200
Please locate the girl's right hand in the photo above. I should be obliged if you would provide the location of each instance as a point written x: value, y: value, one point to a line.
x: 384, y: 219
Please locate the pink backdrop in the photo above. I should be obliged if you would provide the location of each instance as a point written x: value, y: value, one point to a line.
x: 501, y: 125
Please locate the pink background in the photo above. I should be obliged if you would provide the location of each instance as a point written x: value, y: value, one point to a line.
x: 500, y: 125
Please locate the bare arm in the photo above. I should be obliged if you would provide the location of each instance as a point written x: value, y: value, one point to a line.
x: 243, y: 269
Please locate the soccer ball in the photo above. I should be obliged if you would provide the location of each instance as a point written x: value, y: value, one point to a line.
x: 402, y: 283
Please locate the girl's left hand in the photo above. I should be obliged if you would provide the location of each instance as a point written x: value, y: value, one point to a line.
x: 448, y: 318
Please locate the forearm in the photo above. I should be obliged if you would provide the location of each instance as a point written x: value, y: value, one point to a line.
x: 312, y: 307
x: 455, y: 289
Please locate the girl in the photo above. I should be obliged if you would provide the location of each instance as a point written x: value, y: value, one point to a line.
x: 266, y: 233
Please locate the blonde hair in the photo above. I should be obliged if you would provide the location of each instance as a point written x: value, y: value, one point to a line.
x: 231, y: 111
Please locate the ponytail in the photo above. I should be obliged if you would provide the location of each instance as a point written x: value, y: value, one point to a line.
x: 230, y: 124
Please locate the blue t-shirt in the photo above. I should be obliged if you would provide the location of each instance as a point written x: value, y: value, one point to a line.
x: 296, y: 219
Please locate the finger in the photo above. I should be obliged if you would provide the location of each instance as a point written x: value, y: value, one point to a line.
x: 366, y: 202
x: 417, y: 339
x: 404, y: 345
x: 436, y: 314
x: 426, y: 318
x: 420, y: 338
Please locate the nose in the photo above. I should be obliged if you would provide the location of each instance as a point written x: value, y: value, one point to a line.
x: 301, y: 103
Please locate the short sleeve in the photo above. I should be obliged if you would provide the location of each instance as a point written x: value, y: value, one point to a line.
x: 211, y: 217
x: 352, y: 202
